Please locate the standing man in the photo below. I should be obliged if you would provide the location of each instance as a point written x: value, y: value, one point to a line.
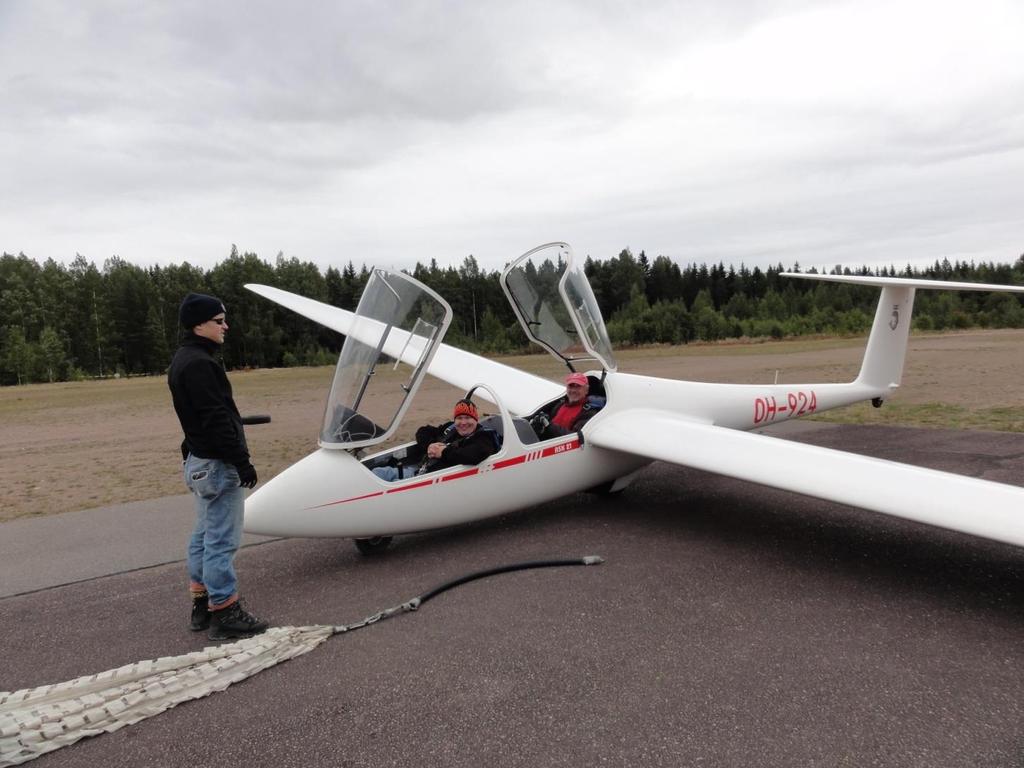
x: 217, y: 467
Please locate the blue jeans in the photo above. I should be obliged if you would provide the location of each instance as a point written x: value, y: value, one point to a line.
x: 220, y: 505
x: 391, y: 473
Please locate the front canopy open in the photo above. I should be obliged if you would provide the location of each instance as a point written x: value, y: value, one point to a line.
x: 398, y: 326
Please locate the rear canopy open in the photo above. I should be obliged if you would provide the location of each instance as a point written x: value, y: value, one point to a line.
x: 555, y: 304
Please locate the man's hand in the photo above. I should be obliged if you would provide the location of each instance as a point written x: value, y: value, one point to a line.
x: 426, y: 435
x: 434, y: 450
x: 247, y: 475
x: 539, y: 423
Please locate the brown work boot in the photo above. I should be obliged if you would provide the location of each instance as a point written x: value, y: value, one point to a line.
x: 234, y: 622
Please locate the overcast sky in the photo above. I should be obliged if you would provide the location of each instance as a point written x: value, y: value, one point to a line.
x: 755, y: 131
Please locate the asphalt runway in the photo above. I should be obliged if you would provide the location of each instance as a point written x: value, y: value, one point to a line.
x: 732, y: 625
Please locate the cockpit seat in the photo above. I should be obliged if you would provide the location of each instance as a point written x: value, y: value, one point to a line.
x: 523, y: 428
x: 525, y: 431
x: 495, y: 423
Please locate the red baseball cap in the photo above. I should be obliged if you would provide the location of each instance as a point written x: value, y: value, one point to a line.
x: 576, y: 378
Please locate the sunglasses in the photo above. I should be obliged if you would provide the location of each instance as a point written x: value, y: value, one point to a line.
x: 218, y: 320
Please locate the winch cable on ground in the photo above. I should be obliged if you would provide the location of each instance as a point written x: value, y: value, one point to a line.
x: 35, y: 721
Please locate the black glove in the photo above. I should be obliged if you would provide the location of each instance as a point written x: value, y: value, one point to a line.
x: 427, y: 435
x: 247, y: 475
x: 539, y: 423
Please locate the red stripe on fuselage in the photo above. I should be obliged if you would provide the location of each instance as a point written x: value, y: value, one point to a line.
x: 563, y: 448
x: 410, y: 487
x: 510, y: 462
x: 460, y: 475
x: 553, y: 450
x: 354, y: 498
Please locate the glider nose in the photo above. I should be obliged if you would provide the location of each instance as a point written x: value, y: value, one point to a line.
x: 261, y: 511
x: 293, y: 502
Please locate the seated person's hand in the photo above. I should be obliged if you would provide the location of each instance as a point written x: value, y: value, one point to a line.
x: 540, y: 423
x: 426, y: 435
x: 434, y: 450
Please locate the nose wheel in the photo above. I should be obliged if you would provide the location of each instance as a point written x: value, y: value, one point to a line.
x: 374, y: 545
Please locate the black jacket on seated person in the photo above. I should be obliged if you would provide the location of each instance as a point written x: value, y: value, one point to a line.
x: 471, y: 449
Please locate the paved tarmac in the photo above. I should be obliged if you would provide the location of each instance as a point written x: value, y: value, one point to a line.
x: 42, y: 552
x: 732, y: 625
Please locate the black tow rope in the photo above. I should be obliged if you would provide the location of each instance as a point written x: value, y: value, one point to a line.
x: 416, y: 602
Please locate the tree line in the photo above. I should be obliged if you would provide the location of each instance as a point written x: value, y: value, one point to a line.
x: 60, y: 323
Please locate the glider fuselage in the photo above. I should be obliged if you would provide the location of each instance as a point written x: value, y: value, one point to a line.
x: 333, y: 493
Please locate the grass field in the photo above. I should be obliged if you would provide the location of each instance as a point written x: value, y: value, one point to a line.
x: 79, y: 445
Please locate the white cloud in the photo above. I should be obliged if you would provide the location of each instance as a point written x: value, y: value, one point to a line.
x: 390, y: 133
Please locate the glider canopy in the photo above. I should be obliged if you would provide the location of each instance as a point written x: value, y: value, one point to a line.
x: 555, y: 304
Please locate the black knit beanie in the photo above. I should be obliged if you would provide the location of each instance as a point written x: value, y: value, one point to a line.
x: 197, y: 308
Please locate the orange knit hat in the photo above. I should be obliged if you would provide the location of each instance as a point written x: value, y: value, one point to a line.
x: 466, y: 408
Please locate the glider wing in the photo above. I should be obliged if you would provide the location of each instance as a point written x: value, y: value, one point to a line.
x: 978, y: 507
x: 522, y: 392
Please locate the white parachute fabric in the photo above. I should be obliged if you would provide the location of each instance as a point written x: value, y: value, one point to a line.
x: 35, y: 721
x: 39, y: 720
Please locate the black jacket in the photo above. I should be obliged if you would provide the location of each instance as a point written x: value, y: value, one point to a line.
x: 471, y: 449
x: 202, y: 399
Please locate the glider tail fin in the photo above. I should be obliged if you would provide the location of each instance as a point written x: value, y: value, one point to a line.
x: 882, y: 368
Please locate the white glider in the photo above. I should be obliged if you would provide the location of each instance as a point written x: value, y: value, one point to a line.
x: 394, y: 338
